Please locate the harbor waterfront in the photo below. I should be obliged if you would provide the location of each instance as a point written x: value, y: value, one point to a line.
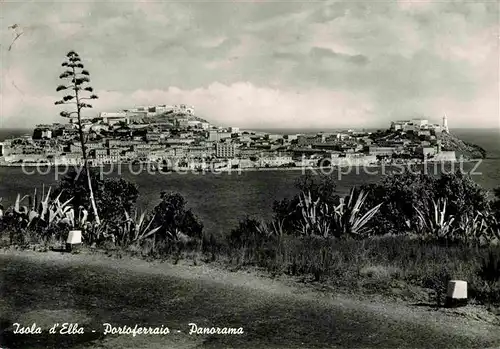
x: 222, y: 198
x: 173, y: 137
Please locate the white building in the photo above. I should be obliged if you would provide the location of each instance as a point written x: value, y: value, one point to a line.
x: 445, y: 156
x: 445, y: 124
x: 112, y: 118
x: 225, y: 150
x: 215, y: 136
x: 274, y: 137
x: 182, y: 108
x: 420, y: 122
x: 135, y: 114
x: 47, y: 134
x: 275, y: 161
x: 399, y: 125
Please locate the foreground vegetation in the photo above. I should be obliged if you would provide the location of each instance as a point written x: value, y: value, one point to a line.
x: 406, y: 236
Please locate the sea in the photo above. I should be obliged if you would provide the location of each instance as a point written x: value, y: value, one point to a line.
x: 222, y: 200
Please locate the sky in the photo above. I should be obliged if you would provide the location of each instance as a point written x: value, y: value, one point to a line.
x: 259, y: 64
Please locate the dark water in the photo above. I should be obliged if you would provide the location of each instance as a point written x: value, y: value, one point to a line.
x: 6, y: 133
x: 221, y: 200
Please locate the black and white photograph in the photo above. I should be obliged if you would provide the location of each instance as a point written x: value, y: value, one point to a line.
x: 249, y: 174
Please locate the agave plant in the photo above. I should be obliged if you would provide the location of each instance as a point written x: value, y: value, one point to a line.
x: 316, y: 216
x: 136, y: 229
x: 274, y: 228
x: 42, y: 216
x: 52, y: 212
x: 43, y: 213
x: 348, y: 218
x: 18, y: 209
x: 178, y: 236
x: 58, y: 212
x: 492, y: 233
x: 473, y: 228
x: 434, y: 222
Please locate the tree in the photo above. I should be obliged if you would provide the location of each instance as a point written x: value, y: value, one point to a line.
x: 78, y: 93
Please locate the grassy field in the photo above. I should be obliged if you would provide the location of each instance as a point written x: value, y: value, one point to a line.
x: 399, y: 266
x: 93, y: 289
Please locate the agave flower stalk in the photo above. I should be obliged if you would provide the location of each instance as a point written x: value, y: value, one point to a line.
x: 79, y: 92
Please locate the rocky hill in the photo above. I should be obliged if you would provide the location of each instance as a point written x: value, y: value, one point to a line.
x: 462, y: 148
x: 449, y: 142
x: 168, y: 117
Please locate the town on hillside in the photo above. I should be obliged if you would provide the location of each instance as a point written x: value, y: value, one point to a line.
x: 174, y: 135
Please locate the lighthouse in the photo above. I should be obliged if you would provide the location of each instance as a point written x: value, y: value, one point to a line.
x: 445, y: 124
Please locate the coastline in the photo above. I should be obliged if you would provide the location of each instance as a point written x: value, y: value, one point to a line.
x: 225, y: 169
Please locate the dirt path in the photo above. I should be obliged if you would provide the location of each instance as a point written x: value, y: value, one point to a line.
x: 92, y: 290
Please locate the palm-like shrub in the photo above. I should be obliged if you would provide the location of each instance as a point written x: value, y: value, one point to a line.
x: 42, y: 218
x: 289, y: 211
x: 46, y: 213
x: 350, y: 219
x: 471, y: 228
x: 434, y: 222
x: 316, y: 216
x: 492, y: 233
x: 134, y: 230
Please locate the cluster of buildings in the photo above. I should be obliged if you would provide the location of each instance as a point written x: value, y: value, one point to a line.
x: 422, y: 126
x: 173, y: 135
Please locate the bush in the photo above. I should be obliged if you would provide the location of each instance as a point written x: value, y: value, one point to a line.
x: 246, y: 234
x: 174, y: 218
x: 113, y: 196
x: 496, y: 203
x: 404, y: 195
x: 489, y: 277
x: 490, y: 267
x: 464, y: 196
x: 251, y: 242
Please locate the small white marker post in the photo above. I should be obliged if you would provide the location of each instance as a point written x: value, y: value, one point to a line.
x: 457, y: 294
x: 74, y: 240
